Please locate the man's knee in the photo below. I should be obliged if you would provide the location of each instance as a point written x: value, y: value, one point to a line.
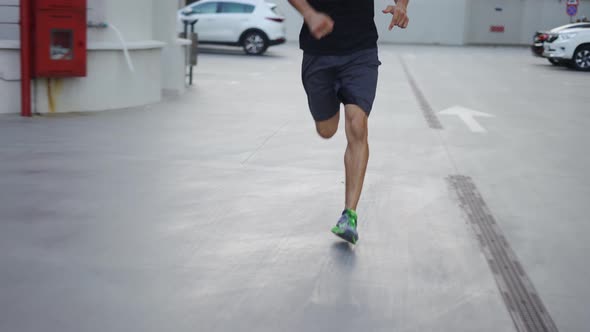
x: 357, y: 126
x: 358, y: 131
x: 328, y: 128
x: 326, y: 131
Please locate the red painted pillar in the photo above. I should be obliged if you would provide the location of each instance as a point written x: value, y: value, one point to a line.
x: 25, y: 56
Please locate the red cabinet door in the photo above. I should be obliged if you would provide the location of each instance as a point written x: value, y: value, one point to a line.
x: 60, y: 4
x: 60, y: 43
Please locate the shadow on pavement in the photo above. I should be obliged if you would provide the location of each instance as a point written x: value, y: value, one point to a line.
x: 343, y: 255
x: 549, y: 66
x: 236, y: 52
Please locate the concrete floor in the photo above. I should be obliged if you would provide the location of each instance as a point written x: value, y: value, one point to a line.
x: 211, y: 212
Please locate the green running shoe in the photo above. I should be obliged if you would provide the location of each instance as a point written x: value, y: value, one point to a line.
x: 346, y: 227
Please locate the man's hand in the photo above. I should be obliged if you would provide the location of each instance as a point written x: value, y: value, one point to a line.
x: 320, y: 25
x: 400, y: 17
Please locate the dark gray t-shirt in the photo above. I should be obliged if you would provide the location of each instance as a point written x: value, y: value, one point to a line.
x: 354, y: 28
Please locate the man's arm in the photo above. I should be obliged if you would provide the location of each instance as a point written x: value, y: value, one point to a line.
x: 399, y: 12
x: 319, y: 24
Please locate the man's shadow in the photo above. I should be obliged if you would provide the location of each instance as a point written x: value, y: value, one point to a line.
x: 334, y: 302
x: 344, y: 257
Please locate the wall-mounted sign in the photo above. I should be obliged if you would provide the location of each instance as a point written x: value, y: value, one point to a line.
x: 497, y: 28
x: 572, y: 10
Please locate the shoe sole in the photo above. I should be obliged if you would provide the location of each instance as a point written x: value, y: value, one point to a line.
x: 348, y: 236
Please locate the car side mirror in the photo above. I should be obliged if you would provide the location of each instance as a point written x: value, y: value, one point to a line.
x: 187, y: 11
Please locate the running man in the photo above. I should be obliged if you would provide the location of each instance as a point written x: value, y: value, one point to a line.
x: 340, y: 66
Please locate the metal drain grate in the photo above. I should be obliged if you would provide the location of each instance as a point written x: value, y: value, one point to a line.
x: 429, y: 115
x: 521, y: 298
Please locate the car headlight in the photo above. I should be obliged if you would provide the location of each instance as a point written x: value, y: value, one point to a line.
x: 567, y: 36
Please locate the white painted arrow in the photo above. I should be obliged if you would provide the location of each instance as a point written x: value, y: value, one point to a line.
x: 468, y: 116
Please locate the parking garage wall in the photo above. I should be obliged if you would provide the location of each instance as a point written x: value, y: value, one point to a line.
x: 9, y: 19
x: 519, y: 19
x: 9, y: 57
x: 432, y: 22
x: 459, y: 22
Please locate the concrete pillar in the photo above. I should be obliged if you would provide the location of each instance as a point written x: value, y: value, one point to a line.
x: 173, y: 54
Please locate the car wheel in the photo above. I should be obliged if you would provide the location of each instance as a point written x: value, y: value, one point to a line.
x: 554, y: 62
x: 581, y: 59
x: 255, y: 43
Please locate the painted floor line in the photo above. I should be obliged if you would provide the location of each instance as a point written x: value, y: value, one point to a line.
x: 520, y: 296
x: 429, y: 115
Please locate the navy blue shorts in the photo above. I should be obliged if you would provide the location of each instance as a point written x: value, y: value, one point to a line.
x: 330, y: 80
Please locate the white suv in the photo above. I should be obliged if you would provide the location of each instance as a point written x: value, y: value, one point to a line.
x: 571, y: 47
x: 252, y: 24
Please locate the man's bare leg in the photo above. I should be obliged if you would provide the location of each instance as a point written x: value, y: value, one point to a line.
x: 357, y: 154
x: 328, y: 128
